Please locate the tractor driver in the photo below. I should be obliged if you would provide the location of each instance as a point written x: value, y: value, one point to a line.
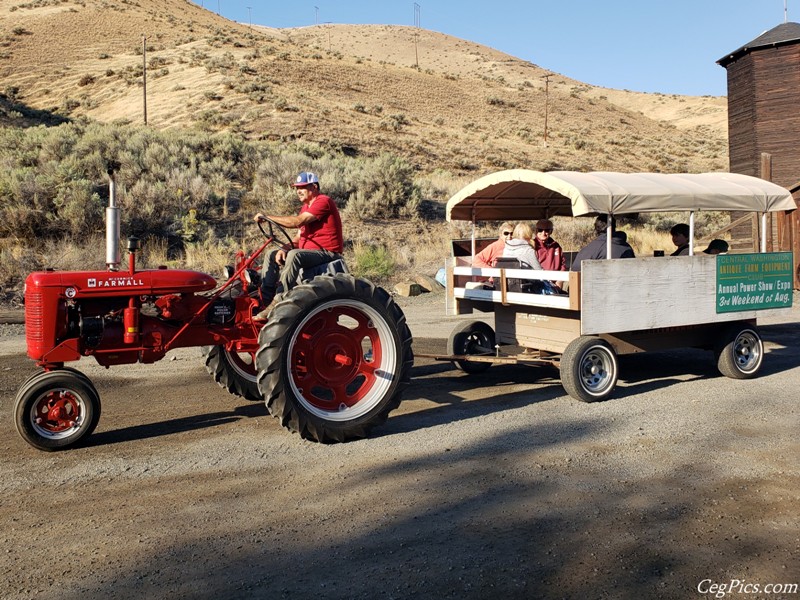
x: 318, y: 240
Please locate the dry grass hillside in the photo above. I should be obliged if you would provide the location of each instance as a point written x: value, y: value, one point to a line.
x: 444, y: 103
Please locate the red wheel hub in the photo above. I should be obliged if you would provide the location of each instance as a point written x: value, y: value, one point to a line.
x: 57, y: 411
x: 328, y: 359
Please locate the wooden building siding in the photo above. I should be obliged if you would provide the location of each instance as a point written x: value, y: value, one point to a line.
x: 764, y: 112
x: 764, y: 117
x: 742, y: 117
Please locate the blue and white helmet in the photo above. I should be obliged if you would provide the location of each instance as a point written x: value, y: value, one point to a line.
x: 305, y: 178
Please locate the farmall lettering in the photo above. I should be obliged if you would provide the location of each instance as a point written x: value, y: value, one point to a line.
x: 125, y: 281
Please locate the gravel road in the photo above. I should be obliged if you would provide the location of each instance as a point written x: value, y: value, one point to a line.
x: 496, y: 485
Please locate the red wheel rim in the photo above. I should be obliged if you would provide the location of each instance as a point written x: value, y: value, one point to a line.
x: 57, y: 412
x: 338, y: 359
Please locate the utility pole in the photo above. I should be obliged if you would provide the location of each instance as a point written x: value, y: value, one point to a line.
x: 144, y: 76
x: 249, y: 17
x: 546, y: 102
x: 316, y: 15
x: 218, y: 9
x: 417, y: 10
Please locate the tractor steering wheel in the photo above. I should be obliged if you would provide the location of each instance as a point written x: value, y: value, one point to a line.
x: 272, y: 226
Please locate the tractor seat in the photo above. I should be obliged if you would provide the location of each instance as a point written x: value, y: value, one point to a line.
x: 328, y: 268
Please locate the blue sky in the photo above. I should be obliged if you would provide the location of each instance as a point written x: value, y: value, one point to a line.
x: 667, y: 46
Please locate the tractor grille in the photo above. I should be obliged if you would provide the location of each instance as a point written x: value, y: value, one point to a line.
x: 34, y: 318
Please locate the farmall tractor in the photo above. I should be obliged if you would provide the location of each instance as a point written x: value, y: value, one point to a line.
x: 331, y: 360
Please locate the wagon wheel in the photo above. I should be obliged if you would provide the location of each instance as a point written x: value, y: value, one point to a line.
x: 471, y: 337
x: 589, y: 369
x: 334, y: 358
x: 740, y: 353
x: 56, y: 409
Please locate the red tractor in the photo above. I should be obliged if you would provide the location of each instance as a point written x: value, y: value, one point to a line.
x: 331, y: 361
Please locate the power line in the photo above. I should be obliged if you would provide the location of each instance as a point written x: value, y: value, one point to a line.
x: 417, y: 11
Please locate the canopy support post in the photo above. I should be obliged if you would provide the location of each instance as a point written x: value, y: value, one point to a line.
x: 473, y: 233
x: 691, y: 233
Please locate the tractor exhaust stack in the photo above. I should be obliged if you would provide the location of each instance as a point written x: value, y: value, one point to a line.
x: 112, y: 223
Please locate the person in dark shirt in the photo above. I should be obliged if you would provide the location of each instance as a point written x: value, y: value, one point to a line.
x: 596, y: 249
x: 680, y: 237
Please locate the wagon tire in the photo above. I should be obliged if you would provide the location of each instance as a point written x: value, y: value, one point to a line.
x: 589, y: 369
x: 54, y: 410
x: 471, y: 337
x: 334, y: 358
x: 740, y: 354
x: 233, y: 371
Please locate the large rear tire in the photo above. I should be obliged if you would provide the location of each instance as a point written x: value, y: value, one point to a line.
x: 236, y: 372
x: 54, y: 410
x: 741, y: 352
x: 589, y: 369
x: 334, y: 358
x: 471, y: 337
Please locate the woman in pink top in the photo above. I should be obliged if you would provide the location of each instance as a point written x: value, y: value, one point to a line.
x: 487, y: 257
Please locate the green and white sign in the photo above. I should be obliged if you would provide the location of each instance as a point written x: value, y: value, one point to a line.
x: 754, y: 281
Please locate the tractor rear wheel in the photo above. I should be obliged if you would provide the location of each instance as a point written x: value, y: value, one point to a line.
x: 56, y: 409
x: 334, y: 358
x: 234, y: 371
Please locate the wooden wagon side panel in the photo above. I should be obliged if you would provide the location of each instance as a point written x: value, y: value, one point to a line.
x: 545, y: 329
x: 651, y: 293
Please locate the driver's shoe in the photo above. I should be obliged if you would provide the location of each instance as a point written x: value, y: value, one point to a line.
x: 264, y: 312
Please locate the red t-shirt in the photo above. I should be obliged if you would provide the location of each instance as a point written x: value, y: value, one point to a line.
x: 325, y: 232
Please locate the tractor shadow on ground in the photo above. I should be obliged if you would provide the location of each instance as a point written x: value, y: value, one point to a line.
x: 174, y: 426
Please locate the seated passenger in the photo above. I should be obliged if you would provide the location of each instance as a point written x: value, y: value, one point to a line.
x: 487, y: 256
x: 521, y: 248
x: 596, y: 249
x: 716, y: 247
x: 680, y: 237
x: 548, y: 251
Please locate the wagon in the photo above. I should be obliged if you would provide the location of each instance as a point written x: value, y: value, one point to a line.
x: 616, y: 306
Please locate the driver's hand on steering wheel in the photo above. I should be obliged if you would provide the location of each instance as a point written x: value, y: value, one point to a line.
x: 260, y: 218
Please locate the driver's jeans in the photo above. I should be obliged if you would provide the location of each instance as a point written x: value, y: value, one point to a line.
x: 295, y: 260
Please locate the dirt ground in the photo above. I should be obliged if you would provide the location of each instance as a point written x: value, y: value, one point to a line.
x: 497, y: 485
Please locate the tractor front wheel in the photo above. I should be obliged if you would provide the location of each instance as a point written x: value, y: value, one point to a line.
x: 56, y: 409
x: 334, y: 358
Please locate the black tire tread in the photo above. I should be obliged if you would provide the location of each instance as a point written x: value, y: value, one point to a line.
x: 288, y: 312
x: 219, y: 367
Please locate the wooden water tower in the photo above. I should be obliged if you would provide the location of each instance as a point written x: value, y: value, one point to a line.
x: 764, y: 126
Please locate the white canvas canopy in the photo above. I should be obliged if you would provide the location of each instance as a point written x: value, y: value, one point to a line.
x: 524, y: 194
